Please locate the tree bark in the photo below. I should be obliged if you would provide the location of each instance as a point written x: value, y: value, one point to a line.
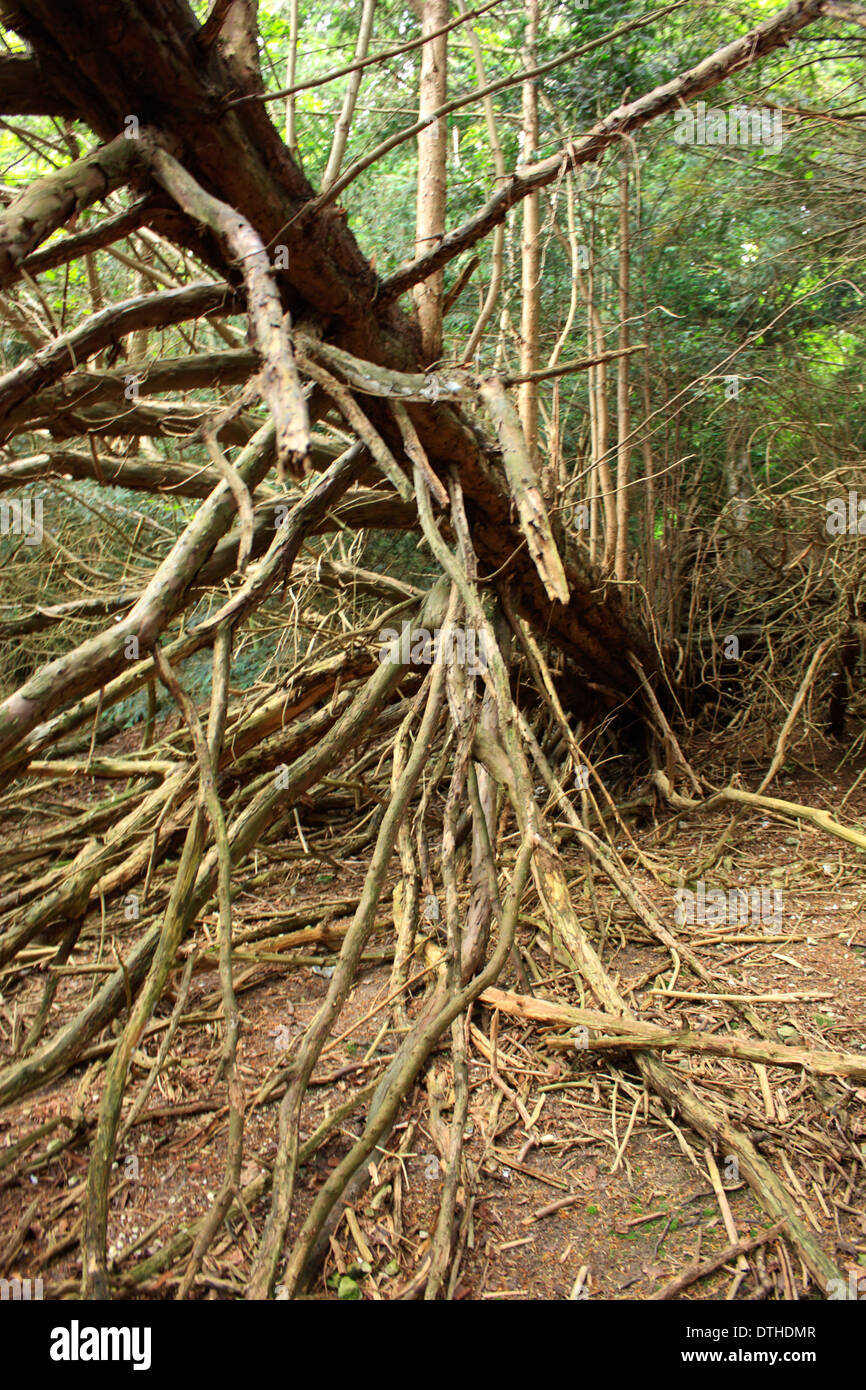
x: 432, y: 175
x: 530, y: 248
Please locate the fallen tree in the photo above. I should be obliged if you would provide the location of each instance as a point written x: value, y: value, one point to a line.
x: 333, y: 377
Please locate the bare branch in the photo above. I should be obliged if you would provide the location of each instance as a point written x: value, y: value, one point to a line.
x: 270, y: 326
x: 73, y: 348
x: 52, y: 201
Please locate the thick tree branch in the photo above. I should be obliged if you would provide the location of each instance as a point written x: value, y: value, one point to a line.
x: 270, y: 326
x: 104, y: 233
x: 27, y: 90
x: 52, y: 201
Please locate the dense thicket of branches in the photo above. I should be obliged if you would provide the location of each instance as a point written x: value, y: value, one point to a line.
x: 260, y: 406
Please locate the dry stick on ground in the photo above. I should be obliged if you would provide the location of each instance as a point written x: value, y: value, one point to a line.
x: 411, y: 1056
x: 95, y: 1280
x: 613, y: 1032
x: 724, y: 1207
x: 207, y: 752
x: 20, y: 1146
x: 778, y: 755
x: 793, y: 810
x: 555, y: 898
x: 701, y: 1269
x: 16, y: 1240
x: 443, y: 1236
x: 267, y: 1258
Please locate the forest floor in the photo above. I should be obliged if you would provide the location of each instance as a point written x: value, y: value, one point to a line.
x: 602, y: 1196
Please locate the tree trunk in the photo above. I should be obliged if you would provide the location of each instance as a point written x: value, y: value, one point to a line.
x: 530, y: 247
x: 432, y: 175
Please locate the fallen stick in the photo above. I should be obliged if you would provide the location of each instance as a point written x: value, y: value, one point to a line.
x: 794, y: 810
x: 694, y: 1272
x: 712, y: 1124
x: 623, y: 1031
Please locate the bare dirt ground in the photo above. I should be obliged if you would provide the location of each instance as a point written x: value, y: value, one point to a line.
x: 577, y: 1182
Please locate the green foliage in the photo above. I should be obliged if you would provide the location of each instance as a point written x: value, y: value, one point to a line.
x: 744, y: 261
